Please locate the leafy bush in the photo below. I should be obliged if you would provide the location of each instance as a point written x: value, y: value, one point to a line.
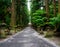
x: 4, y: 11
x: 55, y: 22
x: 52, y: 21
x: 38, y: 19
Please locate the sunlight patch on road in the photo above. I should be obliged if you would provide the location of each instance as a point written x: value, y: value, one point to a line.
x: 26, y: 35
x: 24, y: 41
x: 28, y: 45
x: 9, y: 41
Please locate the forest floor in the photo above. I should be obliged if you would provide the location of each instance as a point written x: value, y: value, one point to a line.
x: 5, y: 38
x: 55, y: 40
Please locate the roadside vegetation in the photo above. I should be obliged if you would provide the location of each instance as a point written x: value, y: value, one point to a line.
x: 46, y: 18
x: 13, y: 17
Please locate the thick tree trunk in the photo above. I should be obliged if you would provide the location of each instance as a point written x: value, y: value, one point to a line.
x: 18, y: 12
x: 59, y: 6
x: 54, y: 4
x: 13, y: 20
x: 47, y: 7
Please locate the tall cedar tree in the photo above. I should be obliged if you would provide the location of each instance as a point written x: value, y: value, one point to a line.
x: 59, y: 6
x: 47, y: 7
x: 12, y: 24
x: 54, y: 4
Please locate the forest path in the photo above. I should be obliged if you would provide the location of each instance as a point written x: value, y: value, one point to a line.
x: 27, y: 38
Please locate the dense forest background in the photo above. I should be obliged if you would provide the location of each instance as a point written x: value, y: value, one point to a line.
x: 45, y: 16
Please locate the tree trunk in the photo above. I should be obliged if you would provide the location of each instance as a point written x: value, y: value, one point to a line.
x: 12, y: 24
x: 59, y: 6
x: 54, y: 4
x: 18, y: 12
x: 47, y: 7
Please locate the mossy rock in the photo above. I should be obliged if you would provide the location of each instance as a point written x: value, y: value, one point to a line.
x: 12, y: 32
x: 49, y: 34
x: 41, y: 32
x: 2, y: 35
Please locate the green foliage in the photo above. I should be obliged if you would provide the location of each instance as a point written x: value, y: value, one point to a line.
x: 58, y: 18
x: 52, y: 21
x: 4, y: 4
x: 35, y: 5
x: 21, y: 13
x: 39, y: 13
x: 38, y: 19
x: 7, y: 19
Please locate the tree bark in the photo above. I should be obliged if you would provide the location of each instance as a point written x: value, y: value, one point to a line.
x: 47, y: 7
x: 59, y: 6
x: 12, y: 24
x: 54, y: 4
